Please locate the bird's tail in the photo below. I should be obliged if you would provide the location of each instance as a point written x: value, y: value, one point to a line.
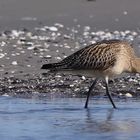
x: 52, y: 66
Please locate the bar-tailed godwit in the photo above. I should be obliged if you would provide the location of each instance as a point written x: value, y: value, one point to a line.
x: 104, y: 59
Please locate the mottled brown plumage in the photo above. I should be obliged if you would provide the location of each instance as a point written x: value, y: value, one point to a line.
x: 103, y: 59
x: 95, y: 57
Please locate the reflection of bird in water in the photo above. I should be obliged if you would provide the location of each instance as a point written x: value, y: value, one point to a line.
x: 104, y: 59
x: 97, y: 124
x: 107, y: 122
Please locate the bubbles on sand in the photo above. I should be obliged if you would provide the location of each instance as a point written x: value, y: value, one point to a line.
x: 1, y: 55
x: 14, y: 63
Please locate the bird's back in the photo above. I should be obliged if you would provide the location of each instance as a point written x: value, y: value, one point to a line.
x: 97, y: 57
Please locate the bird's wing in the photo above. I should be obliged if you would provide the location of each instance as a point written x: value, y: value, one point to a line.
x: 96, y: 57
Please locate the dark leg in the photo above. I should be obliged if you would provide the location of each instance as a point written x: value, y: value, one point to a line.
x: 108, y: 94
x: 90, y: 89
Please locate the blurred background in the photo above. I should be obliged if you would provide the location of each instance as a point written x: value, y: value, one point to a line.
x: 99, y: 14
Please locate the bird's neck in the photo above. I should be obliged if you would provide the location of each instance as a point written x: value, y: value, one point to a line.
x: 136, y: 65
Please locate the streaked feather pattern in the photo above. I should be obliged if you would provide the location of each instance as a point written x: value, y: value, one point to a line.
x: 98, y: 56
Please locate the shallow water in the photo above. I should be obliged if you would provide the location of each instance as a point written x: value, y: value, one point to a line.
x: 61, y: 119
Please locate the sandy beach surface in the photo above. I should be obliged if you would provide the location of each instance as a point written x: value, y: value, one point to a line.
x: 37, y: 32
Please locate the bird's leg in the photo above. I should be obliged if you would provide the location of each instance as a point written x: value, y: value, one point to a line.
x: 108, y: 94
x: 90, y: 89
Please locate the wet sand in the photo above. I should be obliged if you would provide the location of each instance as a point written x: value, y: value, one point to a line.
x: 23, y: 52
x: 49, y: 31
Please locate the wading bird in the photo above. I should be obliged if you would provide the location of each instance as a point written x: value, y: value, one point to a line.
x: 104, y: 59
